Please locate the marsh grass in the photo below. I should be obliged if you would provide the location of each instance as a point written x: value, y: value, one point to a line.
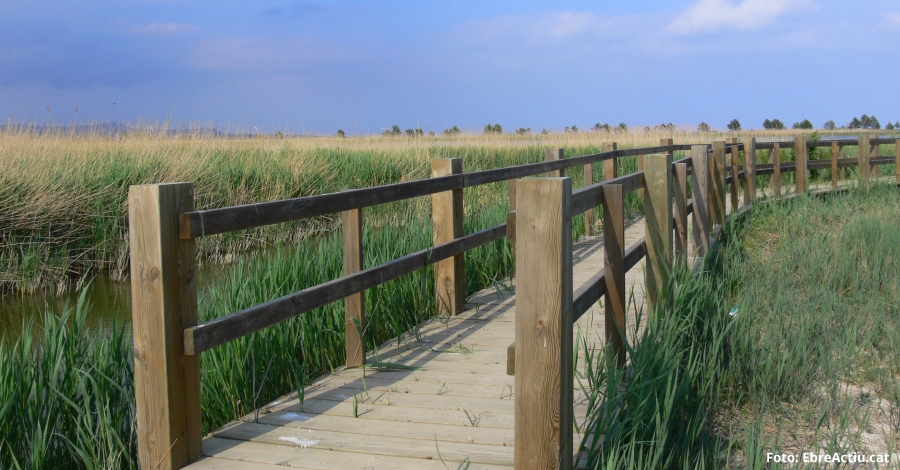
x: 63, y: 195
x: 807, y: 363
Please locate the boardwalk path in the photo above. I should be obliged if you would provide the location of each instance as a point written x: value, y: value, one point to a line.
x: 453, y: 405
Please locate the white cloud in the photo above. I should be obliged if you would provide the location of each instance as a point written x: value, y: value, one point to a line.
x: 892, y: 18
x: 714, y: 15
x: 166, y: 28
x: 552, y: 26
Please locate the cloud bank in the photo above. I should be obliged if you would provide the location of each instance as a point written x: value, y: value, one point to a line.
x: 707, y: 16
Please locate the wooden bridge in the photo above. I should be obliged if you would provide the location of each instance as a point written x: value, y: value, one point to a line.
x: 443, y: 396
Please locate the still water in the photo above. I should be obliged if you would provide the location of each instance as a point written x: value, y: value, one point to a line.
x: 109, y: 303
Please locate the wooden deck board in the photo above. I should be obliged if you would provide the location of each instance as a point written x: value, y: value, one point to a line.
x: 457, y: 373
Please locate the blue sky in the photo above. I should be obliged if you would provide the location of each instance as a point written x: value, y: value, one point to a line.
x: 363, y: 66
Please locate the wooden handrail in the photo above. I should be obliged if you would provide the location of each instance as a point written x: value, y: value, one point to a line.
x: 208, y: 222
x: 230, y: 327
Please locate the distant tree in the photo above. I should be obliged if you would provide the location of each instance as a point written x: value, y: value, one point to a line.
x: 829, y: 126
x: 622, y: 127
x: 734, y: 125
x: 774, y: 124
x: 703, y: 127
x: 341, y: 133
x: 430, y: 133
x: 278, y: 135
x: 804, y: 124
x: 601, y: 127
x: 889, y: 126
x: 544, y: 131
x: 864, y: 122
x: 410, y: 132
x: 452, y: 131
x: 523, y: 130
x: 493, y: 129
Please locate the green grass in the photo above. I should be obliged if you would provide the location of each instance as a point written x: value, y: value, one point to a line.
x: 809, y: 362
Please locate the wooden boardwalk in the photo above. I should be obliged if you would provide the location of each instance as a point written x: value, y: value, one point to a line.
x: 442, y: 399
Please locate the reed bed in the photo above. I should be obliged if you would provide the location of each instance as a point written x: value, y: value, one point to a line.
x: 63, y: 195
x: 786, y: 341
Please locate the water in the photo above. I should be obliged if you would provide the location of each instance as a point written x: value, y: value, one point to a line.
x: 110, y: 303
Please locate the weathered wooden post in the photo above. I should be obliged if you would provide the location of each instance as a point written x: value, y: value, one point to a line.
x: 658, y: 220
x: 447, y: 216
x: 897, y: 161
x: 354, y: 305
x: 800, y: 171
x: 544, y: 376
x: 163, y: 304
x: 614, y: 303
x: 717, y: 183
x: 553, y: 155
x: 679, y: 192
x: 863, y: 163
x: 749, y: 170
x: 834, y: 165
x: 589, y: 214
x: 735, y: 183
x: 776, y: 169
x: 700, y: 187
x: 611, y: 166
x: 511, y: 218
x: 874, y: 154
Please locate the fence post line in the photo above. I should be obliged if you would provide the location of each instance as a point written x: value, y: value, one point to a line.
x: 447, y: 216
x: 897, y: 161
x: 749, y: 170
x: 163, y: 304
x: 834, y: 165
x: 679, y: 191
x: 614, y: 301
x: 863, y: 163
x: 717, y: 183
x: 843, y: 170
x: 658, y: 223
x: 611, y: 166
x: 801, y: 162
x: 700, y: 186
x: 776, y: 169
x: 354, y: 305
x: 544, y: 380
x: 589, y: 214
x: 734, y: 176
x: 555, y: 154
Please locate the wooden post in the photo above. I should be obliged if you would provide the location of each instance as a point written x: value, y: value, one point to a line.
x: 717, y: 183
x: 447, y: 216
x: 614, y: 303
x: 589, y: 214
x: 834, y: 165
x: 800, y: 170
x: 511, y: 218
x: 776, y: 172
x: 749, y: 170
x: 863, y: 163
x: 897, y: 161
x: 843, y: 170
x: 544, y: 376
x: 658, y: 220
x: 700, y: 186
x: 555, y: 154
x: 679, y: 191
x: 354, y: 305
x: 735, y: 183
x: 611, y: 166
x: 163, y: 304
x: 875, y: 153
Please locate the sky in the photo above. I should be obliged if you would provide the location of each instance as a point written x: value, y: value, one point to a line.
x: 315, y: 67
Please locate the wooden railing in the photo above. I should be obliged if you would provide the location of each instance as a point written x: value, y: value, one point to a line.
x: 164, y: 226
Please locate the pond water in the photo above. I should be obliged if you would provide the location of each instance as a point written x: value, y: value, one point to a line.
x: 109, y: 303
